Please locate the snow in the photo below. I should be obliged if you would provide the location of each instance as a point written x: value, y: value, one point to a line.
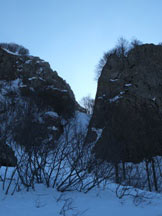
x: 128, y: 85
x: 32, y: 89
x: 82, y: 119
x: 102, y: 97
x: 117, y: 97
x: 53, y: 88
x: 64, y: 90
x: 53, y: 128
x: 122, y: 92
x: 39, y: 61
x: 114, y: 98
x: 78, y: 124
x: 98, y: 132
x: 22, y: 85
x: 41, y: 77
x: 52, y: 114
x: 46, y: 201
x: 113, y: 80
x: 15, y: 83
x: 40, y: 70
x: 32, y: 78
x: 28, y: 61
x: 12, y: 53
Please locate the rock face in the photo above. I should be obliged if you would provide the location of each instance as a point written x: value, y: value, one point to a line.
x: 127, y: 121
x: 34, y: 76
x: 34, y: 101
x: 7, y: 157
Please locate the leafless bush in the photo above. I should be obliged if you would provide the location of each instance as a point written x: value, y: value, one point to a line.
x: 65, y: 167
x: 138, y: 196
x: 102, y: 63
x: 68, y: 207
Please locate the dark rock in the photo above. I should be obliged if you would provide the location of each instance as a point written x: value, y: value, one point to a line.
x: 128, y: 106
x: 29, y: 89
x: 7, y: 157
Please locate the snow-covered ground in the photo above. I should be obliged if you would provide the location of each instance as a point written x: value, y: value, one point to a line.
x: 48, y: 202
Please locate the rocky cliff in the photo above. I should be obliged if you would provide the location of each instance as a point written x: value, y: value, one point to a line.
x: 35, y: 102
x: 127, y: 121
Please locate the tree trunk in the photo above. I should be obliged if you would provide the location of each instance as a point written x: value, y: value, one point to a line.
x: 116, y: 173
x: 154, y: 175
x: 148, y: 175
x: 124, y: 173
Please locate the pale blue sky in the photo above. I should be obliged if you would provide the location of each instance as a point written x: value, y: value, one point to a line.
x: 72, y: 35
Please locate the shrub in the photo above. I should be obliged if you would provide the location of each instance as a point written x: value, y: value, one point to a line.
x: 15, y: 48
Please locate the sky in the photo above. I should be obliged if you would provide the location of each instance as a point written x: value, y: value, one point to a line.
x: 72, y: 35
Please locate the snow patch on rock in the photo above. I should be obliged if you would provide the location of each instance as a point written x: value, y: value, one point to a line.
x: 98, y: 131
x: 52, y: 114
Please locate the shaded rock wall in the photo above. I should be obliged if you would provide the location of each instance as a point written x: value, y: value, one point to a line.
x: 127, y: 119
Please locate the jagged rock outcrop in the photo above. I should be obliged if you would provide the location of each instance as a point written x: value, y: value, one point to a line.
x: 35, y: 102
x: 34, y: 76
x: 127, y: 121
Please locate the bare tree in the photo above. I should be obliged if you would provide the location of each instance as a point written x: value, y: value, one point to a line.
x: 122, y: 47
x: 88, y: 103
x: 135, y: 43
x: 102, y: 63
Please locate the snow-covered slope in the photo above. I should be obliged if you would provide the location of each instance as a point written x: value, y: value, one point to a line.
x: 48, y: 202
